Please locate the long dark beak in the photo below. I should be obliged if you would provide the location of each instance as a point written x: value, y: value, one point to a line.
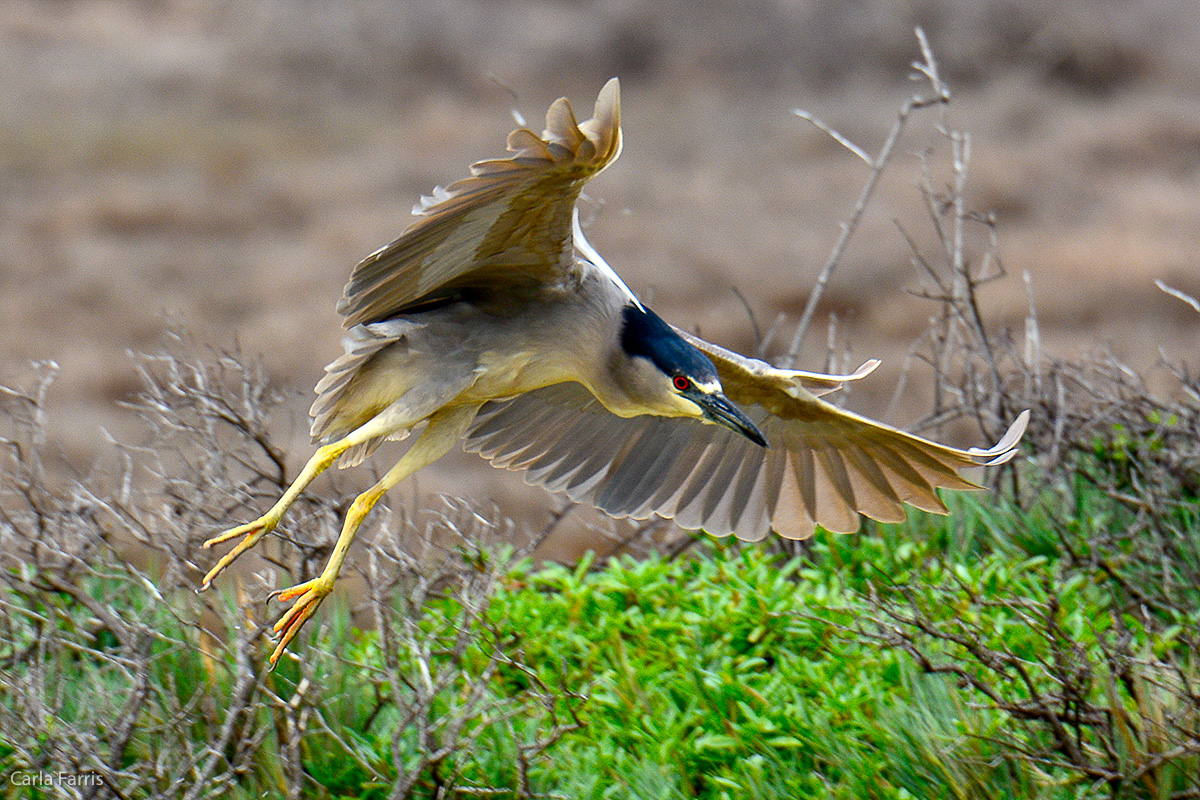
x: 719, y: 410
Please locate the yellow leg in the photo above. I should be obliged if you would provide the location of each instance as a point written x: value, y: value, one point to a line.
x: 445, y: 428
x: 253, y: 531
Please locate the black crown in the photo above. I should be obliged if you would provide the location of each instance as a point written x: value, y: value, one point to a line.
x: 644, y: 334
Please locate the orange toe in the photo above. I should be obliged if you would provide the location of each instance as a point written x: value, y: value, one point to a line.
x: 293, y: 592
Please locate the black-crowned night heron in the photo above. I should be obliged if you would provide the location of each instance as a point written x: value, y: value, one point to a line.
x: 492, y: 318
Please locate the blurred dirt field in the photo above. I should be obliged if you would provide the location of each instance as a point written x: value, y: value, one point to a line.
x: 220, y: 167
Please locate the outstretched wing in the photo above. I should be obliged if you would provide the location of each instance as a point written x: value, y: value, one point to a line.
x: 824, y: 466
x: 507, y: 225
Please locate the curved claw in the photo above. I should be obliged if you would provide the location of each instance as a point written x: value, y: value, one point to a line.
x: 253, y: 531
x: 311, y: 594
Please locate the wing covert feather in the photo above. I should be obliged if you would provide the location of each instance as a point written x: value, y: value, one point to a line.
x: 736, y: 369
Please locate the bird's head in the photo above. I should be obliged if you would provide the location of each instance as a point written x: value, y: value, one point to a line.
x: 663, y: 374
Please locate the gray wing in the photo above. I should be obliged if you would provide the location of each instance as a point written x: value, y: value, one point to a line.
x: 565, y: 440
x: 824, y: 469
x: 507, y: 225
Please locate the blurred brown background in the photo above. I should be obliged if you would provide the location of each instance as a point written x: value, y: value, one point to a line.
x: 220, y: 167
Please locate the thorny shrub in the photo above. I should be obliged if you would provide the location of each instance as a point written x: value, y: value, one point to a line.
x: 1109, y: 490
x: 111, y: 666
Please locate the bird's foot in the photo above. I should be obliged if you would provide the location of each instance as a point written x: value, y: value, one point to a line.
x: 252, y: 531
x: 310, y: 595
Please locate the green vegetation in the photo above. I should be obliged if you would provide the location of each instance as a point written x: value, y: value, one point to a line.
x: 981, y: 655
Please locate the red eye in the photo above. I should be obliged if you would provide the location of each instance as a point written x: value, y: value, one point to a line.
x: 682, y: 383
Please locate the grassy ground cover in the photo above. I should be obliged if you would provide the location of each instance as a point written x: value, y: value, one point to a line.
x: 971, y: 656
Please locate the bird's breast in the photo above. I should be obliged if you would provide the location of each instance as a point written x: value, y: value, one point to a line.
x: 508, y: 373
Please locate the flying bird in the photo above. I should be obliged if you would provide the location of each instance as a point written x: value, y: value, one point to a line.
x: 492, y: 320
